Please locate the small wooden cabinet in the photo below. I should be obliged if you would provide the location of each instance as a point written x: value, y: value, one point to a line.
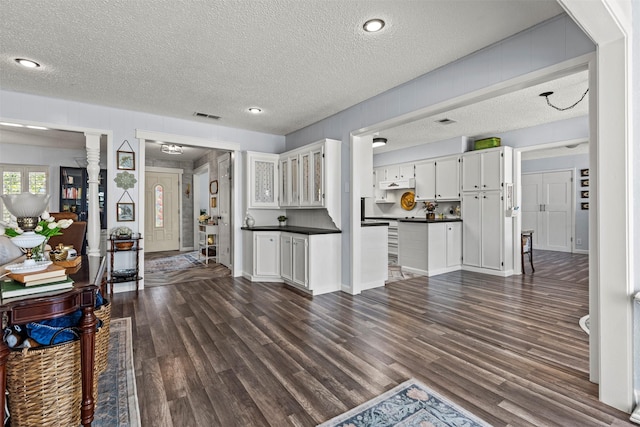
x: 124, y: 260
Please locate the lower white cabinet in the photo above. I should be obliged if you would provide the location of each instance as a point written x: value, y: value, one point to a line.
x: 429, y: 248
x: 261, y: 256
x: 309, y: 262
x: 487, y: 234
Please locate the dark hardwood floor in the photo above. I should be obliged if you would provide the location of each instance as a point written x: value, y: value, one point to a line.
x: 226, y: 352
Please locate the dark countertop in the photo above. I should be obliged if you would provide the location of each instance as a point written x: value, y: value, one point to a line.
x: 429, y: 221
x: 291, y: 229
x: 378, y: 223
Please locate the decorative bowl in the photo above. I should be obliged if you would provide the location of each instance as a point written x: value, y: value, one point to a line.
x: 124, y: 246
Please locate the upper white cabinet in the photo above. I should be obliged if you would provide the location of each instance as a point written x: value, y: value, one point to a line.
x: 380, y: 195
x: 426, y: 180
x: 263, y: 180
x: 289, y: 181
x: 448, y: 178
x: 438, y: 179
x: 402, y: 171
x: 312, y: 176
x: 486, y: 169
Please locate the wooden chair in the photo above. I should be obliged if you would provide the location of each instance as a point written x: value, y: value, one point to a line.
x: 526, y: 238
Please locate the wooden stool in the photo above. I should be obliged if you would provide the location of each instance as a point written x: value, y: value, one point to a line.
x: 526, y: 238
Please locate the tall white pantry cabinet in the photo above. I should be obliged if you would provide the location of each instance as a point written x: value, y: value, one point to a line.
x: 487, y: 196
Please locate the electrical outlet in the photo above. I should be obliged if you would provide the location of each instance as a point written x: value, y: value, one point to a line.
x: 578, y: 241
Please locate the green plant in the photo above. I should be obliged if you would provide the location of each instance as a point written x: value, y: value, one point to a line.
x: 282, y: 218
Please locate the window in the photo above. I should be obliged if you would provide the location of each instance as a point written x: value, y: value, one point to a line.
x: 15, y: 179
x: 159, y: 197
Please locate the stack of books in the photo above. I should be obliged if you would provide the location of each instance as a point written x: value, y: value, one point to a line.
x: 53, y: 278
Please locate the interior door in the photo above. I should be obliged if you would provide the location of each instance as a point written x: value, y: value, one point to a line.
x: 224, y: 209
x: 162, y: 215
x: 547, y: 199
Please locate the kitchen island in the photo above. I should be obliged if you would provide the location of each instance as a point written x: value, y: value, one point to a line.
x: 430, y: 246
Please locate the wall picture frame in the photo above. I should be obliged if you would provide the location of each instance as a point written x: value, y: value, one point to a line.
x: 584, y: 172
x: 126, y: 211
x: 584, y: 182
x: 213, y: 187
x: 126, y: 160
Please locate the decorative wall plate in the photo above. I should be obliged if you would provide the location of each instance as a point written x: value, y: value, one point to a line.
x: 408, y: 201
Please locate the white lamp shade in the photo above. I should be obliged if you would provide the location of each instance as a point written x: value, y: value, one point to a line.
x: 25, y: 205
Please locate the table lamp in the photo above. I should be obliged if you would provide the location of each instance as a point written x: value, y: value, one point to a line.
x: 27, y: 208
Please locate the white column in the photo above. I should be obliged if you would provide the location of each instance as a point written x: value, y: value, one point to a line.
x: 93, y: 170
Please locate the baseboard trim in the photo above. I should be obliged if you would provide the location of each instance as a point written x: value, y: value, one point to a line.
x: 635, y: 416
x: 581, y: 251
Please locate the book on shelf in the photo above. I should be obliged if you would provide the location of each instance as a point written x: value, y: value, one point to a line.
x: 12, y: 288
x: 51, y: 272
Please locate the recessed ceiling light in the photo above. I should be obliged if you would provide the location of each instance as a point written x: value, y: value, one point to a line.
x: 27, y: 63
x: 255, y: 110
x: 14, y: 125
x: 373, y: 25
x: 36, y: 127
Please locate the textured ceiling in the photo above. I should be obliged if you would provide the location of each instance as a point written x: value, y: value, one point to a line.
x: 515, y: 110
x: 298, y: 60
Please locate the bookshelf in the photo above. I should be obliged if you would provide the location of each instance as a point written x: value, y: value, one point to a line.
x: 73, y: 193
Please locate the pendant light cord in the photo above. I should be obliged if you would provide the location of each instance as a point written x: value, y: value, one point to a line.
x: 570, y: 107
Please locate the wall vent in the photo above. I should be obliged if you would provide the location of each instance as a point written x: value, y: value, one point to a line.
x: 445, y: 121
x: 206, y: 116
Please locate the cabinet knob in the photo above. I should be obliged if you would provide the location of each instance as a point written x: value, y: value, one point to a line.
x: 484, y: 185
x: 475, y: 186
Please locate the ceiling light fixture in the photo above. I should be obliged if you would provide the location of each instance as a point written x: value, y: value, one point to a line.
x: 379, y: 142
x: 255, y: 110
x: 172, y: 149
x: 373, y: 25
x: 548, y: 94
x: 27, y: 63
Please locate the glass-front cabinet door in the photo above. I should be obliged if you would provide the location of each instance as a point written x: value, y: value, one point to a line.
x: 305, y: 185
x: 263, y: 180
x: 285, y: 184
x: 317, y: 178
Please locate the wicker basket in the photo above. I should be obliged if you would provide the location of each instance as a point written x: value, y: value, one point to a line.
x: 44, y: 386
x: 102, y: 340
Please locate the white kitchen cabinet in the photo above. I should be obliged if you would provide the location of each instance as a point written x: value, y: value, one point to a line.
x: 400, y: 171
x: 262, y: 182
x: 486, y: 170
x: 382, y: 196
x: 300, y: 260
x: 448, y: 178
x: 429, y: 248
x: 438, y: 179
x: 261, y: 255
x: 426, y: 180
x: 286, y: 260
x: 454, y: 244
x: 486, y: 235
x: 289, y: 181
x: 312, y: 176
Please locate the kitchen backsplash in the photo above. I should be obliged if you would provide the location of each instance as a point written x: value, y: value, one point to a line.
x: 394, y: 210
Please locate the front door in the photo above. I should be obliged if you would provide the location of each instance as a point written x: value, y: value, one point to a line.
x: 547, y: 199
x: 224, y: 209
x: 162, y: 216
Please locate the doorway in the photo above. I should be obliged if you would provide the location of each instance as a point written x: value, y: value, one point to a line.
x: 162, y: 220
x: 547, y: 209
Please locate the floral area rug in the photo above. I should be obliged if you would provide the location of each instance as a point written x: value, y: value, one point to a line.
x: 172, y: 263
x: 117, y: 396
x: 411, y: 404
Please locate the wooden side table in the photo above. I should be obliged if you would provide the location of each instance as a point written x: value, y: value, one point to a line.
x: 51, y: 305
x: 526, y: 238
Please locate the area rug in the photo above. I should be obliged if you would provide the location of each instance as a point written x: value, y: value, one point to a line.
x: 117, y: 396
x: 584, y: 323
x: 411, y: 404
x: 172, y: 263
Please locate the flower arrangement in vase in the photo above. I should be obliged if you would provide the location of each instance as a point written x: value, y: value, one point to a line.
x: 47, y: 226
x: 430, y: 207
